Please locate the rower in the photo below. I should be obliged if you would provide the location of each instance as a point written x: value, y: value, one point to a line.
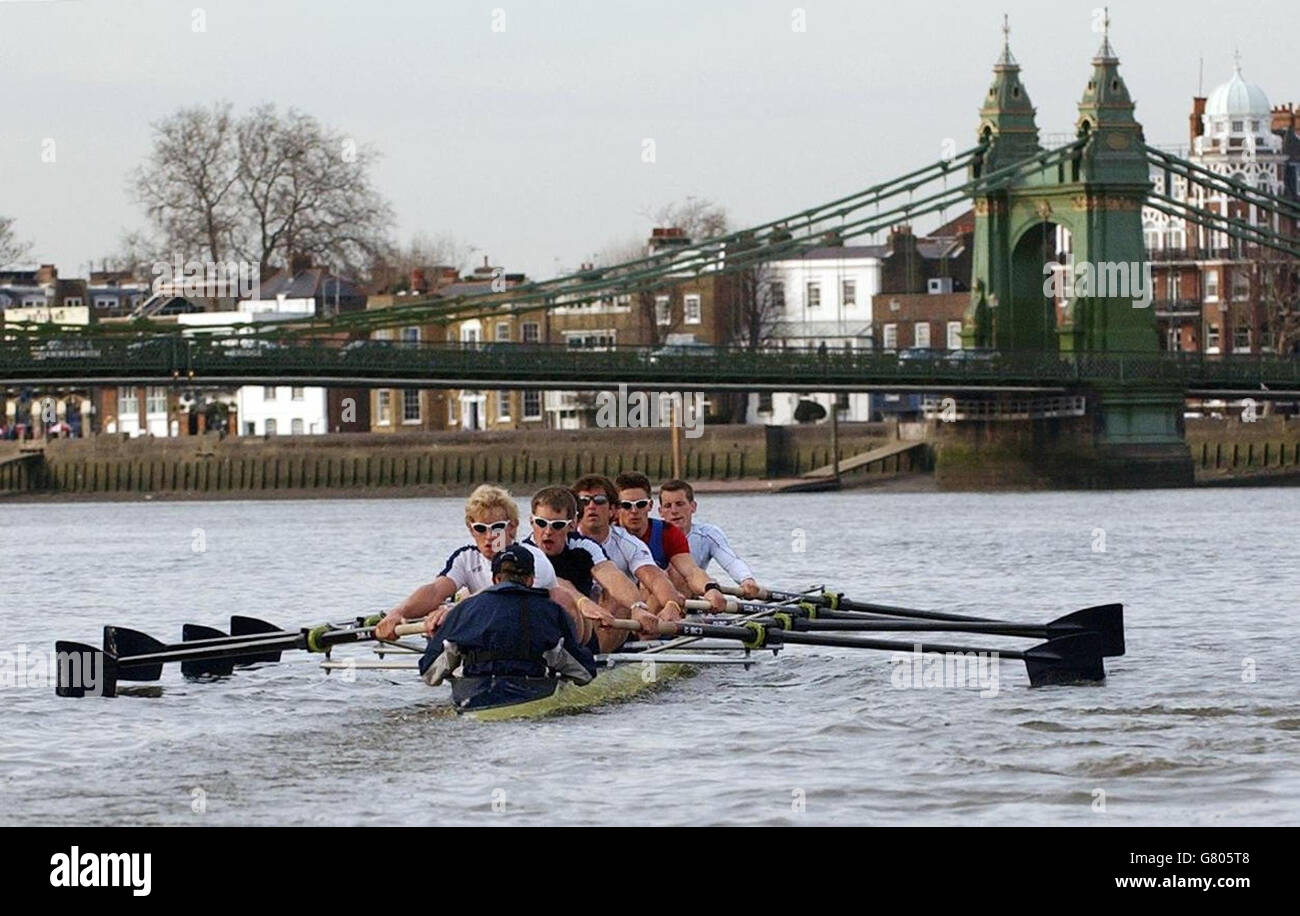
x: 677, y: 505
x: 596, y: 495
x: 667, y: 544
x: 510, y: 630
x: 601, y: 591
x: 493, y: 520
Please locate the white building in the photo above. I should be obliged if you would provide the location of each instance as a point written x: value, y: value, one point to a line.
x: 822, y: 299
x: 272, y: 410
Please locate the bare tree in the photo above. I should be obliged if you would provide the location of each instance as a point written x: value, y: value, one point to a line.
x: 261, y: 188
x: 306, y: 190
x: 699, y: 217
x: 189, y: 185
x: 1277, y: 278
x: 136, y: 254
x: 390, y: 270
x: 11, y: 249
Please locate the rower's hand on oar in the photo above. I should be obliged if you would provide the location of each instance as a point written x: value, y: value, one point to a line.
x: 749, y: 589
x: 435, y: 619
x: 386, y: 629
x: 595, y: 613
x: 671, y: 611
x: 717, y: 600
x: 649, y: 623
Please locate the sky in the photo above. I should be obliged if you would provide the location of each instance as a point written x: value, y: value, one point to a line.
x: 520, y: 127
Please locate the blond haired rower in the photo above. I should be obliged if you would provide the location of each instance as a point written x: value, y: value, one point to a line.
x: 492, y: 519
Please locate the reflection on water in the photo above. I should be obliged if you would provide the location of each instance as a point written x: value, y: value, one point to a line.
x: 1199, y: 722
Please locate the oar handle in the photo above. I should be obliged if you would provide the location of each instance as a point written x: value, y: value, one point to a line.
x: 699, y: 604
x: 619, y: 624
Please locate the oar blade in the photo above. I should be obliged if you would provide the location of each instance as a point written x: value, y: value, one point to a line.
x: 251, y: 626
x: 122, y: 643
x: 212, y: 667
x: 1065, y: 660
x: 1106, y: 620
x: 82, y: 670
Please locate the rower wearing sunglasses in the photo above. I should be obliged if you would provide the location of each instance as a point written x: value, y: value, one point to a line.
x: 492, y: 519
x: 596, y: 496
x: 677, y: 505
x: 667, y: 543
x: 600, y: 590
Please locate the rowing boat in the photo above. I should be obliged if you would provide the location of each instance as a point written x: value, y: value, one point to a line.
x: 1072, y: 652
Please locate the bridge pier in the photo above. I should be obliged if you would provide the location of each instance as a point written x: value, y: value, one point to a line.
x: 1123, y: 440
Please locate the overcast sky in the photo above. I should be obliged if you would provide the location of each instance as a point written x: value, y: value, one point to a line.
x: 527, y: 142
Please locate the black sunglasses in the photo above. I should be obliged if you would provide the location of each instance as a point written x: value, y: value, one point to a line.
x: 598, y: 500
x: 555, y: 524
x: 635, y: 503
x: 481, y: 528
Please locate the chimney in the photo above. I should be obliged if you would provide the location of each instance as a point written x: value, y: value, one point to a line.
x: 667, y: 237
x: 1195, y: 124
x: 1284, y: 118
x: 46, y: 273
x: 418, y: 283
x: 298, y: 263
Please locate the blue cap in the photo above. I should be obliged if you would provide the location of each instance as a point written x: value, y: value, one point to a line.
x: 518, y: 556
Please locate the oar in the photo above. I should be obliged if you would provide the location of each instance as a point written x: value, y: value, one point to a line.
x: 1099, y: 620
x: 1065, y: 660
x: 1106, y: 619
x: 129, y: 655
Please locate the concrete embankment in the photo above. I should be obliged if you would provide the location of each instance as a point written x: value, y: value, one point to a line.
x: 205, y: 467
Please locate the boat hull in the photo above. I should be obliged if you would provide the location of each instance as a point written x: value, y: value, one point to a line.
x: 612, y: 685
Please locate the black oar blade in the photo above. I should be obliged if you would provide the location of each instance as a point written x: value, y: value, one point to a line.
x: 121, y: 643
x: 83, y: 670
x: 1106, y: 620
x: 1065, y: 660
x: 251, y: 626
x: 212, y: 667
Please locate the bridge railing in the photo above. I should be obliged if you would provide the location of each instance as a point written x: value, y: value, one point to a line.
x: 42, y: 356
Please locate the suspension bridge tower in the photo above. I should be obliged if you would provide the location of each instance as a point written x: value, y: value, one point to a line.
x: 1059, y: 267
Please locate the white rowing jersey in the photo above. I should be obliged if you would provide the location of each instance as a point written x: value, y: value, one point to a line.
x: 470, y: 570
x: 627, y: 551
x: 709, y: 543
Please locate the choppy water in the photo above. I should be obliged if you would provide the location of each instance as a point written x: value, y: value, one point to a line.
x: 1210, y: 580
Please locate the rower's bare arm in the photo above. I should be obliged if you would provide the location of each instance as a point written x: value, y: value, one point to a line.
x: 698, y: 580
x: 420, y: 603
x: 567, y: 597
x: 620, y: 587
x: 665, y: 593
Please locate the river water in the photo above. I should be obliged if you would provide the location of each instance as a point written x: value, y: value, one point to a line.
x: 1198, y: 724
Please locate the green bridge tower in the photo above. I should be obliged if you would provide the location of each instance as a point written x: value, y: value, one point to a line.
x: 1080, y: 293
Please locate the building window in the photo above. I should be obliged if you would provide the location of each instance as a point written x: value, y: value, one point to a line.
x: 849, y: 290
x: 1237, y: 127
x: 469, y: 336
x: 410, y: 405
x: 503, y: 330
x: 590, y: 340
x: 954, y: 335
x: 765, y: 402
x: 1240, y: 285
x: 268, y: 393
x: 72, y: 301
x: 295, y: 427
x: 841, y: 400
x: 532, y: 405
x: 503, y: 405
x: 692, y: 307
x: 814, y: 295
x: 1212, y: 338
x: 778, y: 295
x: 891, y: 336
x: 250, y: 428
x: 1211, y: 284
x: 385, y: 411
x: 128, y: 402
x: 923, y: 334
x: 663, y: 311
x: 1176, y: 286
x: 410, y: 337
x: 155, y: 400
x: 296, y: 394
x: 270, y: 427
x: 1241, y: 338
x: 531, y: 332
